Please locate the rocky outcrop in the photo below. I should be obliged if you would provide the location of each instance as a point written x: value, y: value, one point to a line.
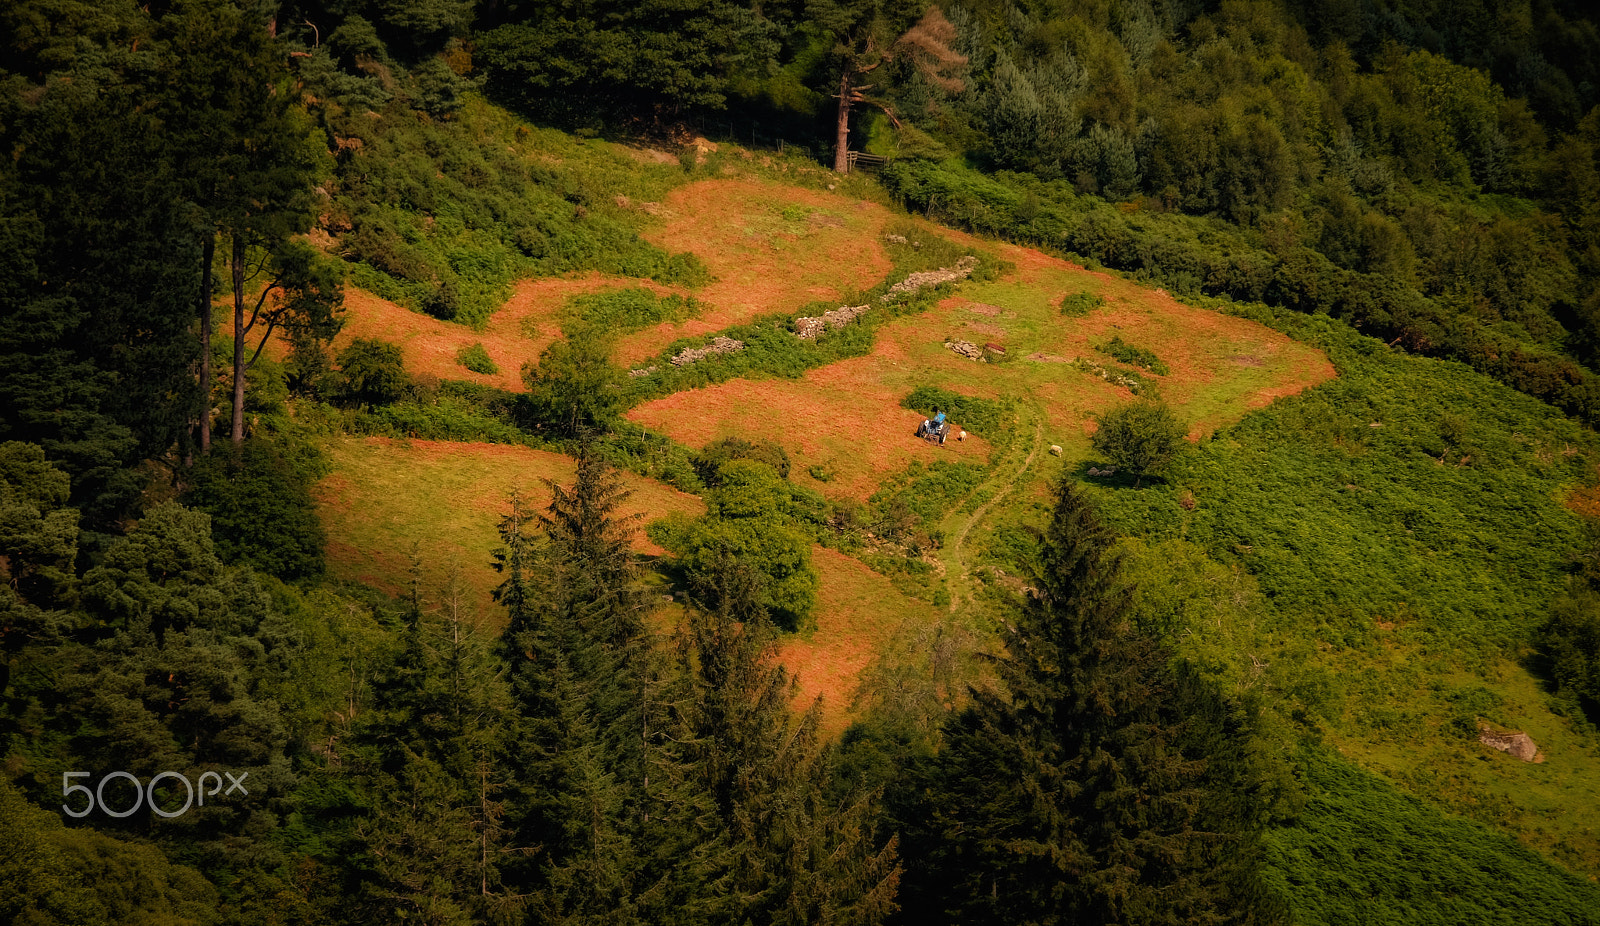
x: 1518, y: 744
x: 966, y: 349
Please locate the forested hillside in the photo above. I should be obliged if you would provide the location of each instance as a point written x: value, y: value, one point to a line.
x: 452, y: 469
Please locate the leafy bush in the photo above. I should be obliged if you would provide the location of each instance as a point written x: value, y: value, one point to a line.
x: 373, y: 372
x: 476, y: 359
x: 1570, y: 640
x: 757, y: 517
x: 1119, y: 349
x: 574, y: 387
x: 709, y: 461
x: 1141, y: 437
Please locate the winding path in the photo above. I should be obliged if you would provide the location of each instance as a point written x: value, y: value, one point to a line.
x: 953, y: 551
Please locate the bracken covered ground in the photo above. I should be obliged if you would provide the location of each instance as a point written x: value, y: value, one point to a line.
x: 771, y: 248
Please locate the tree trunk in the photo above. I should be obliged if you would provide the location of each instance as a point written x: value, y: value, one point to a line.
x: 841, y: 148
x: 205, y: 342
x: 238, y: 339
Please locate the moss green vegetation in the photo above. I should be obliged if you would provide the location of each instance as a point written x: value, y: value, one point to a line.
x: 1363, y: 852
x: 624, y: 310
x: 1354, y: 503
x: 1118, y: 349
x: 442, y: 215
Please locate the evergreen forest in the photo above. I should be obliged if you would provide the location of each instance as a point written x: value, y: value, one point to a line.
x: 457, y: 462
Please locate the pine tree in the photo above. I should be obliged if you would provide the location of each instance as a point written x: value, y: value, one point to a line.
x: 1105, y: 785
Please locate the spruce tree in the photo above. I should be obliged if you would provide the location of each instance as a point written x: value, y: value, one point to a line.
x: 799, y: 853
x: 432, y: 755
x: 1102, y: 784
x: 616, y: 834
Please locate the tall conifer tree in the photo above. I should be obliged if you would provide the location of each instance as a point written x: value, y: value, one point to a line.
x: 602, y: 797
x: 1104, y: 785
x: 799, y: 853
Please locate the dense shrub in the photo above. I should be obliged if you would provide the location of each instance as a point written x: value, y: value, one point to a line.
x: 709, y: 461
x: 476, y: 359
x: 762, y: 519
x: 574, y: 386
x: 1141, y: 437
x: 1118, y: 349
x: 1077, y: 305
x: 373, y: 372
x: 261, y: 509
x: 1570, y: 640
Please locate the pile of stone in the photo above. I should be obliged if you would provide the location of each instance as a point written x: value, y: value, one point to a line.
x: 807, y: 329
x: 926, y: 278
x: 644, y: 372
x: 719, y: 345
x: 966, y: 349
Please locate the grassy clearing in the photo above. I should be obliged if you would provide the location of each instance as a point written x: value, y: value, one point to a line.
x: 771, y: 248
x: 848, y: 415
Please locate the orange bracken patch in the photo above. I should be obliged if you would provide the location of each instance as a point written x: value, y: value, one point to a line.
x: 839, y: 417
x: 857, y: 613
x: 1584, y: 500
x: 772, y: 248
x: 517, y: 333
